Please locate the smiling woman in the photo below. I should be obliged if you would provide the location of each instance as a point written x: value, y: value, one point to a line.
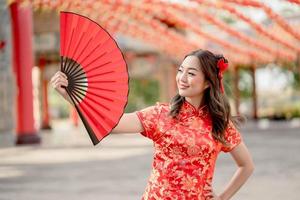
x: 199, y: 81
x: 190, y: 79
x: 189, y: 133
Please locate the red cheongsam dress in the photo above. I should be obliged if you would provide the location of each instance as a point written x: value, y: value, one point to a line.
x: 185, y: 152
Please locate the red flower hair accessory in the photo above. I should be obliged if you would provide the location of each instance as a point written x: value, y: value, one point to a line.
x: 222, y: 66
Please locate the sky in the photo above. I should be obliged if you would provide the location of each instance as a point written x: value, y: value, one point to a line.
x: 267, y: 83
x: 282, y: 7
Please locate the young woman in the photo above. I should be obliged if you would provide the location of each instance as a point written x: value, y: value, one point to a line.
x: 188, y: 133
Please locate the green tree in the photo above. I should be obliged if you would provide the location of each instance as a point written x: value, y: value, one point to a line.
x: 142, y: 92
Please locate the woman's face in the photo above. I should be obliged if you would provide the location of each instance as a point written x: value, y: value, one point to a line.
x: 190, y: 78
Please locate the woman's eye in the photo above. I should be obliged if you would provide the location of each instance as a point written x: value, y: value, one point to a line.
x: 179, y: 70
x: 192, y: 74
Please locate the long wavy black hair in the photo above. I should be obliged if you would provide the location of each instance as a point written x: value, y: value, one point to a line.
x: 216, y: 101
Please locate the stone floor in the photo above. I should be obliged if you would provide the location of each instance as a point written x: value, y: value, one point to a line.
x: 67, y: 166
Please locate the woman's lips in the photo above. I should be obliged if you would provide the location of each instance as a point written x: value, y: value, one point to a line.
x: 183, y: 87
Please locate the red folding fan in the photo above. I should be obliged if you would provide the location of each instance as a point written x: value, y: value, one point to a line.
x: 97, y: 73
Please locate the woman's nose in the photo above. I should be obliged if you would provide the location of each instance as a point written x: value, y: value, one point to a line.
x: 183, y: 77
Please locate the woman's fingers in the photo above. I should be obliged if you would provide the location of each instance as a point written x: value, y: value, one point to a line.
x: 210, y: 195
x: 59, y: 75
x: 62, y: 74
x: 59, y: 79
x: 60, y: 83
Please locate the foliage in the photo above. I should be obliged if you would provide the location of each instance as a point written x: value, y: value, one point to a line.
x: 245, y: 84
x: 58, y: 105
x: 142, y: 92
x: 288, y: 66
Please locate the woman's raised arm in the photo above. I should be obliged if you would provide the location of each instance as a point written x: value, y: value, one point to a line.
x: 129, y: 123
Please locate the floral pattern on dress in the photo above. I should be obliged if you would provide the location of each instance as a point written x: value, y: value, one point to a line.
x: 185, y: 152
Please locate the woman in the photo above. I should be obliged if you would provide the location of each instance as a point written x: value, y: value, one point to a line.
x: 188, y: 133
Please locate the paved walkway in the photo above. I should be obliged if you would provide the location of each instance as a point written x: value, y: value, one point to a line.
x: 67, y: 166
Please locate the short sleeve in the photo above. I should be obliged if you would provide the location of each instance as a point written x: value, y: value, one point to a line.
x: 149, y: 118
x: 232, y: 137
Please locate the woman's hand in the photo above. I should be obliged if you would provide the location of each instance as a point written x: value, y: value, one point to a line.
x: 214, y: 196
x: 58, y: 80
x: 217, y: 198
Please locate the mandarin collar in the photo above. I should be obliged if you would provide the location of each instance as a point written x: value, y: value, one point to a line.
x: 187, y: 110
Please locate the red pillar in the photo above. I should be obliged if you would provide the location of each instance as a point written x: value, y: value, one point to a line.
x: 74, y: 116
x: 45, y: 106
x: 254, y: 94
x: 236, y: 79
x: 21, y: 18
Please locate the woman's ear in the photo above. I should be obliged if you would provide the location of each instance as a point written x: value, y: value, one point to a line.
x: 206, y: 85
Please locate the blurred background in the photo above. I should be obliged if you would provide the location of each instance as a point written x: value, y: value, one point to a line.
x: 45, y: 152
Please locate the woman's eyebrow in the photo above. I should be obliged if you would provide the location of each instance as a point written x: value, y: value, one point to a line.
x: 189, y: 68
